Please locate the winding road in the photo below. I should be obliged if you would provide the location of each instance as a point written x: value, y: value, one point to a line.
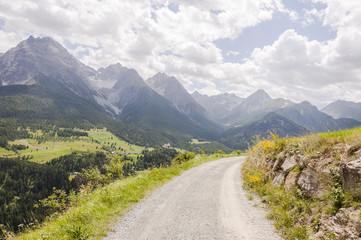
x: 205, y: 202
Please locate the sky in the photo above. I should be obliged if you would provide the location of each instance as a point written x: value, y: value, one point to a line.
x: 294, y: 49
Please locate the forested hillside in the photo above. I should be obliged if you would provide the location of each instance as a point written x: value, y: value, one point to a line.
x: 23, y: 184
x: 30, y: 191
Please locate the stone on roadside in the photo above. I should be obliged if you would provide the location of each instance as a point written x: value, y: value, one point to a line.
x: 278, y: 180
x: 309, y: 183
x: 289, y: 163
x: 351, y: 175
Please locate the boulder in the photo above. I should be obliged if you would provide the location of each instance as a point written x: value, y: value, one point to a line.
x: 279, y: 160
x: 309, y: 183
x: 278, y: 180
x: 351, y: 175
x: 289, y: 163
x: 291, y: 181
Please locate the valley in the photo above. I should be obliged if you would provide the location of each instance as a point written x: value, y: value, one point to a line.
x: 73, y: 136
x: 42, y: 148
x: 164, y: 119
x: 42, y: 83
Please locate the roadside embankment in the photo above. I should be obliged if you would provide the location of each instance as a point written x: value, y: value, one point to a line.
x: 311, y: 184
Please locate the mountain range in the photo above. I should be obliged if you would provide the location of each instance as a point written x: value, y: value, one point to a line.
x: 343, y: 109
x: 42, y: 83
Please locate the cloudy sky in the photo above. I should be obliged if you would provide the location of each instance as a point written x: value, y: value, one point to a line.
x: 295, y: 49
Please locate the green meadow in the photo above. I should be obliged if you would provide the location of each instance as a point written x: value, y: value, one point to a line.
x: 57, y: 146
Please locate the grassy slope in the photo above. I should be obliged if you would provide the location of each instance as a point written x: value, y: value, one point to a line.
x: 291, y: 211
x: 44, y: 152
x: 92, y: 216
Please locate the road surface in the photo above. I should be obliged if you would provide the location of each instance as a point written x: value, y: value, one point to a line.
x: 205, y: 202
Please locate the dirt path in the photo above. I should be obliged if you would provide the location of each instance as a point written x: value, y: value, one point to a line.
x: 206, y: 202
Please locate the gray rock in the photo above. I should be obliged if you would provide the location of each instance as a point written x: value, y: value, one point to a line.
x: 309, y: 183
x: 279, y: 160
x: 278, y: 180
x: 289, y: 163
x: 351, y: 175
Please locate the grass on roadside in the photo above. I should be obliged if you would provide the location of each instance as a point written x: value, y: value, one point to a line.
x: 91, y: 216
x: 291, y: 210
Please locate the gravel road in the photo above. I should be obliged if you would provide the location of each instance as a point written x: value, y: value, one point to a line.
x: 205, y: 202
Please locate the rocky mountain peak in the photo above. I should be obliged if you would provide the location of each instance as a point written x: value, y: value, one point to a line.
x: 170, y: 88
x: 259, y: 95
x: 165, y: 85
x: 44, y: 56
x: 255, y: 101
x: 306, y: 104
x: 41, y: 43
x: 123, y: 76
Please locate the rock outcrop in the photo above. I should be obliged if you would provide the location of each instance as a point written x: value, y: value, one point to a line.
x: 315, y: 176
x: 309, y: 183
x: 351, y: 175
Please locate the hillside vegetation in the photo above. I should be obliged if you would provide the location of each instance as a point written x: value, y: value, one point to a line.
x: 43, y: 145
x: 101, y: 200
x: 311, y: 184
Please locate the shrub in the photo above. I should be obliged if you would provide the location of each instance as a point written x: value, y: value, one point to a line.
x: 183, y: 157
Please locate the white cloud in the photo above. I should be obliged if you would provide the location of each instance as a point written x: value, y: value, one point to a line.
x: 311, y: 15
x: 177, y: 37
x: 232, y: 53
x: 297, y: 68
x: 137, y: 30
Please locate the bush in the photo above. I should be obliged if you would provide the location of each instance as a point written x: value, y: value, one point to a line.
x: 183, y: 157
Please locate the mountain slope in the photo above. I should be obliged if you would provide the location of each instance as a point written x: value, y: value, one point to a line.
x: 138, y: 104
x: 311, y: 118
x: 242, y: 137
x: 48, y: 102
x: 57, y: 90
x: 173, y: 91
x: 218, y: 106
x: 254, y: 108
x: 35, y: 56
x: 343, y: 109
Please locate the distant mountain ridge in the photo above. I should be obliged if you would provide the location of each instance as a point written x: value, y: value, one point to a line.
x: 218, y: 106
x: 254, y: 107
x: 308, y: 116
x: 242, y: 137
x: 343, y: 109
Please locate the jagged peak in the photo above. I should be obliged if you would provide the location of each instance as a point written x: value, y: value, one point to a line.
x: 163, y: 78
x: 160, y: 75
x: 118, y: 69
x: 260, y: 94
x: 116, y: 65
x: 40, y: 42
x: 306, y: 103
x: 196, y: 93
